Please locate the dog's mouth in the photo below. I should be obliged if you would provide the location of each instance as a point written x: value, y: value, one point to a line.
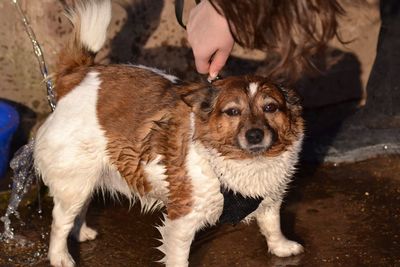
x: 257, y: 149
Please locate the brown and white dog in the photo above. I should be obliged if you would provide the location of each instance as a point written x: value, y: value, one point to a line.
x: 136, y: 131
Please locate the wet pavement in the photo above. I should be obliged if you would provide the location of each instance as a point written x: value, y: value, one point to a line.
x: 344, y: 215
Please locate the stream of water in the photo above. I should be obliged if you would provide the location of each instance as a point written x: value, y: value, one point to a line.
x: 24, y: 176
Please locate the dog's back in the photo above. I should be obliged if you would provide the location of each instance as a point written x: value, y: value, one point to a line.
x: 107, y: 114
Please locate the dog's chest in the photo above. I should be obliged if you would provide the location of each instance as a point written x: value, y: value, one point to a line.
x: 243, y: 184
x: 205, y: 195
x: 258, y: 177
x: 207, y: 172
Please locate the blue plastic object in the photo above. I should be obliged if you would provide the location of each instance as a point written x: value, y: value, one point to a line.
x: 9, y: 121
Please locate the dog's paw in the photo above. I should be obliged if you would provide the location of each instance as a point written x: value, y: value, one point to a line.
x: 285, y: 248
x: 86, y: 233
x: 61, y: 259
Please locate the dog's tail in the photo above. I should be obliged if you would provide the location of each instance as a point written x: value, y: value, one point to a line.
x: 90, y: 19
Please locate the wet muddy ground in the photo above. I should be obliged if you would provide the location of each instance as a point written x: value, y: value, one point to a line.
x: 344, y: 215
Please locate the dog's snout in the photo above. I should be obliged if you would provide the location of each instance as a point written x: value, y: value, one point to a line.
x: 254, y: 136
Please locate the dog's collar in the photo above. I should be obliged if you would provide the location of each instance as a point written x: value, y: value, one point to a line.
x: 236, y: 206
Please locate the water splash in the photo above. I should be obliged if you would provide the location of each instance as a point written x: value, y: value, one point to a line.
x: 24, y: 175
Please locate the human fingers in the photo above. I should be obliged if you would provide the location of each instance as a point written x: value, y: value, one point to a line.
x: 218, y: 61
x: 202, y: 63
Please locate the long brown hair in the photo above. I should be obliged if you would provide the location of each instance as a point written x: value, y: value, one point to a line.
x: 292, y: 32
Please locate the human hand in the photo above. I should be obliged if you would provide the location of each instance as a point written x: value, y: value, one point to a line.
x: 210, y: 37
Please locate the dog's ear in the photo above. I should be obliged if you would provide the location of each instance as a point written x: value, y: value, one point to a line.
x: 201, y: 99
x: 292, y: 98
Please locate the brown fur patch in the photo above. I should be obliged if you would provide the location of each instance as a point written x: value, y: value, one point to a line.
x: 73, y: 63
x: 174, y: 135
x: 142, y: 116
x: 65, y: 83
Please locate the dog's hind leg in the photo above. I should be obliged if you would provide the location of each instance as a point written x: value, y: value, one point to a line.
x: 81, y: 232
x: 65, y: 211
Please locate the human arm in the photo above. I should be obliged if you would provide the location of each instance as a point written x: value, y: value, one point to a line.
x: 291, y: 33
x: 210, y: 37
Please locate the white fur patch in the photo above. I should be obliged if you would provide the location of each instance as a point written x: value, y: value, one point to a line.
x: 268, y: 219
x: 206, y: 186
x: 93, y: 18
x: 112, y: 182
x: 208, y: 200
x: 253, y: 88
x: 176, y: 238
x: 162, y: 73
x: 155, y: 175
x: 82, y: 157
x: 70, y: 154
x: 264, y: 176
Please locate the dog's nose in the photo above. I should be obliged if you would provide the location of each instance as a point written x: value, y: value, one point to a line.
x: 254, y: 136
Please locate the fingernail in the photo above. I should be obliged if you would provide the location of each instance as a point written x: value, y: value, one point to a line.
x: 213, y: 75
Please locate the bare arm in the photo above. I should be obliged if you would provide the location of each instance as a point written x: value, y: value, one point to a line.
x: 210, y: 38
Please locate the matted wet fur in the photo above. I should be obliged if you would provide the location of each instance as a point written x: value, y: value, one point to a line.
x: 136, y: 131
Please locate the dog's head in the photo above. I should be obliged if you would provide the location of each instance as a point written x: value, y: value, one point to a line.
x: 246, y: 116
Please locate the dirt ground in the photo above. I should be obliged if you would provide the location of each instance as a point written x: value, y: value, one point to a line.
x: 344, y: 215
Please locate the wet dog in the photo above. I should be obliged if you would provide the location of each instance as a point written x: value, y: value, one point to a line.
x: 139, y: 132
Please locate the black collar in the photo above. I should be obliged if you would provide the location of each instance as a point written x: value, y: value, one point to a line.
x: 237, y: 207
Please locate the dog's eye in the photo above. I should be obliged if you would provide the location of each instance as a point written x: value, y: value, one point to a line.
x: 232, y: 112
x: 271, y: 107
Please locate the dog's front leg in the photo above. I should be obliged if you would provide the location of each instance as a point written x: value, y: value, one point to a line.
x: 268, y: 219
x: 177, y: 236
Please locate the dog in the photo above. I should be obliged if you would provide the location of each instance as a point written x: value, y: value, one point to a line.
x: 139, y: 132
